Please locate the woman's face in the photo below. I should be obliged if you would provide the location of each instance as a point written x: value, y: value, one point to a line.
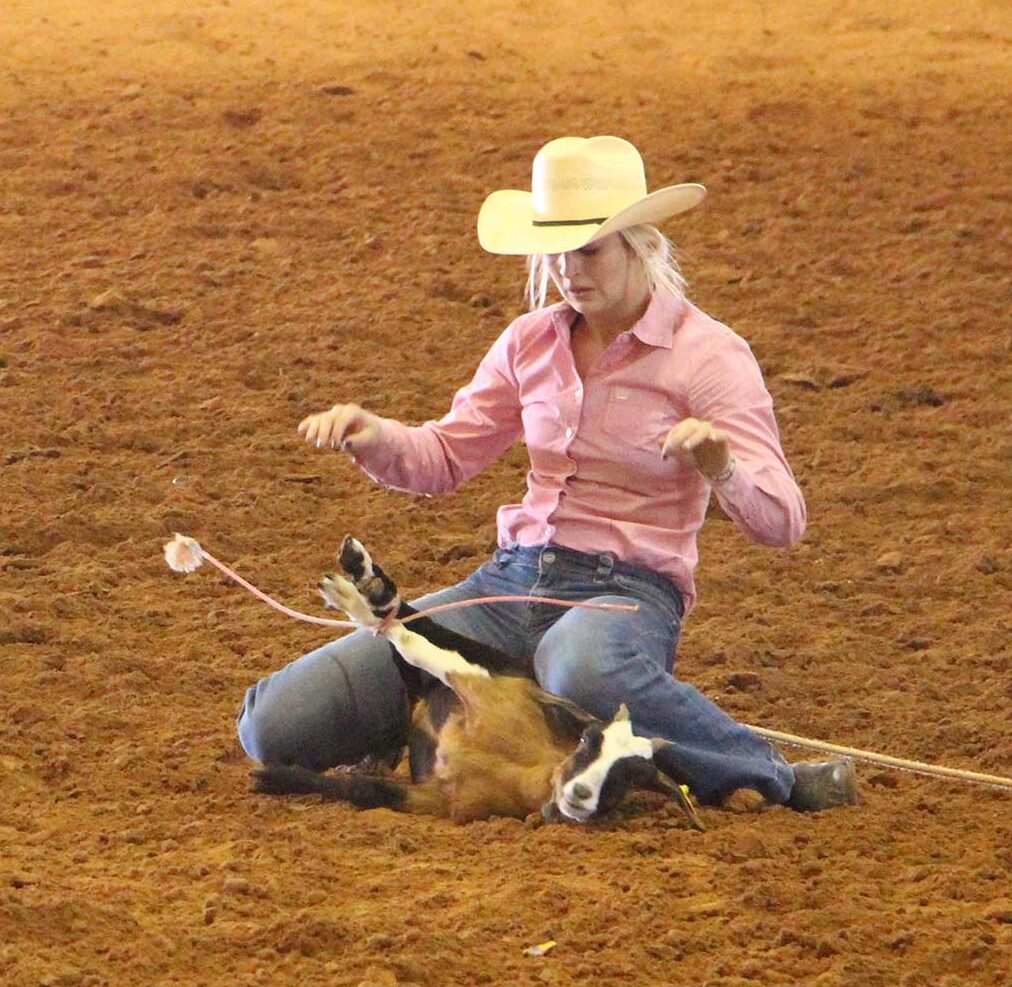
x: 604, y: 280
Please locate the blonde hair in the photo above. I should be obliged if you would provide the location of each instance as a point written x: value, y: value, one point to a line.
x: 649, y: 244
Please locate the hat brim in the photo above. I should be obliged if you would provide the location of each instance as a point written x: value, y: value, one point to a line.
x: 506, y: 221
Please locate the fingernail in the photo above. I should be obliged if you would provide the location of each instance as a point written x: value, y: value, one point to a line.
x: 319, y: 443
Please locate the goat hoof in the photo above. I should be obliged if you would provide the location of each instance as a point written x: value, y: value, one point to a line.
x: 354, y: 559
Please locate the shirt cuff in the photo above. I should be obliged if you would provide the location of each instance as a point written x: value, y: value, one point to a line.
x: 378, y: 461
x: 731, y: 486
x: 726, y: 473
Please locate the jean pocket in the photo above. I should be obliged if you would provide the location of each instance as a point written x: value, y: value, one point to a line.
x: 504, y: 578
x: 501, y: 558
x: 668, y: 602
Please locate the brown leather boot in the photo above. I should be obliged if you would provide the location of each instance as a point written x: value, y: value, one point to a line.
x: 822, y: 785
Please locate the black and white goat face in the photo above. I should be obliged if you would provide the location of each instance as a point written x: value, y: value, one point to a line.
x: 609, y: 761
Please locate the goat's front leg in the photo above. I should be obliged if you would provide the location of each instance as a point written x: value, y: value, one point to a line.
x: 422, y: 653
x: 341, y: 594
x: 416, y: 650
x: 371, y: 581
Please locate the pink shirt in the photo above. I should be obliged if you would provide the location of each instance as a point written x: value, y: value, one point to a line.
x: 597, y: 481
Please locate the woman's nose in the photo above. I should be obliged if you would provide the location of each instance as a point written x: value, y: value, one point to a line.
x: 567, y: 263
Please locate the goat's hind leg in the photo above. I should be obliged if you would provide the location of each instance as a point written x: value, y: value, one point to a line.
x: 366, y: 593
x: 429, y: 645
x: 341, y: 594
x: 362, y: 791
x: 442, y: 663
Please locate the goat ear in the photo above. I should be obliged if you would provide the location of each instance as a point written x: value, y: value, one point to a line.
x: 563, y: 717
x: 664, y: 785
x: 622, y: 714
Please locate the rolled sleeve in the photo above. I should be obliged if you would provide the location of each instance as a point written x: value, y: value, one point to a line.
x: 761, y: 495
x: 439, y: 456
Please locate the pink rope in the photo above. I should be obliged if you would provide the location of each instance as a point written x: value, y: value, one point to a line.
x: 628, y: 607
x: 260, y: 595
x: 310, y: 619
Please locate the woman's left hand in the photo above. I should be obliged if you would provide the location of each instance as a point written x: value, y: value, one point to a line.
x: 701, y: 443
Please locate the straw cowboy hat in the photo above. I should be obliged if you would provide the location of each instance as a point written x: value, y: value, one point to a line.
x: 582, y: 189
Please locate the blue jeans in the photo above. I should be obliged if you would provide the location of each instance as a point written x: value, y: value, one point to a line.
x: 345, y: 700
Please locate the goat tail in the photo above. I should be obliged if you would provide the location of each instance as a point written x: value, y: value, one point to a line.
x: 362, y: 791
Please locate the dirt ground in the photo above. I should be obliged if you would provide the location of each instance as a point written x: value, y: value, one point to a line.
x: 218, y: 217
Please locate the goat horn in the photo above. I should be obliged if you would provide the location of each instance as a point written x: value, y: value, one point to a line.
x: 669, y: 786
x: 666, y: 785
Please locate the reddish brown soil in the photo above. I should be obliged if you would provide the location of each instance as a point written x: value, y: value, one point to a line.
x: 201, y: 245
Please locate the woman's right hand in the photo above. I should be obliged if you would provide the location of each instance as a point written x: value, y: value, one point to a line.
x: 345, y: 426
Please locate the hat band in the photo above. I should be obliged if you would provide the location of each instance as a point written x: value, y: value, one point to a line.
x: 568, y: 222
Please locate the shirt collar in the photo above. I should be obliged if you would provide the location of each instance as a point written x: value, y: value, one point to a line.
x: 660, y: 320
x: 563, y: 317
x: 655, y: 328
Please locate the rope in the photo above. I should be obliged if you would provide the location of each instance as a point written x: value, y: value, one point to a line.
x: 184, y: 554
x: 917, y: 767
x: 260, y: 595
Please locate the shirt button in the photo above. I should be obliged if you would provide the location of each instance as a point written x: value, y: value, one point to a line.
x: 569, y: 433
x: 548, y: 557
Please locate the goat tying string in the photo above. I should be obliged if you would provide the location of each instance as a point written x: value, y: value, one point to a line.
x: 184, y: 554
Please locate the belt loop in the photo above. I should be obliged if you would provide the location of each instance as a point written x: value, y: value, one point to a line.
x: 547, y: 554
x: 605, y: 565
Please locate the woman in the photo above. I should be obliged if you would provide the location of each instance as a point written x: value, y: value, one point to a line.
x: 635, y: 407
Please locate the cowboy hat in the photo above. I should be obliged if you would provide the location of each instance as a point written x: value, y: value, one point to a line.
x: 582, y: 189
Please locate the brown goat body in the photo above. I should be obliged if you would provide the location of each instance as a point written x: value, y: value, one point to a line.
x: 496, y: 754
x: 484, y: 740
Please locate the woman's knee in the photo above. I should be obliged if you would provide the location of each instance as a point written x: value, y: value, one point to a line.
x: 264, y: 735
x: 332, y: 706
x: 574, y: 677
x: 595, y: 658
x: 577, y: 658
x: 246, y: 726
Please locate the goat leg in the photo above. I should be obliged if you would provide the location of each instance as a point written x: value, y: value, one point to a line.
x: 416, y: 650
x: 379, y: 592
x: 362, y: 791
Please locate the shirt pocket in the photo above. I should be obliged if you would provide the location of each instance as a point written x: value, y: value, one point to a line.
x: 638, y: 418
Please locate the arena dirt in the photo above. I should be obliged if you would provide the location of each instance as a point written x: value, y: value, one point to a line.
x: 219, y: 217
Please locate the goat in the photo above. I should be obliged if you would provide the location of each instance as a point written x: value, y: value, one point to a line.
x: 492, y: 742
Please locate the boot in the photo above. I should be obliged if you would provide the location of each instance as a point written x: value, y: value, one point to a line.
x: 823, y: 785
